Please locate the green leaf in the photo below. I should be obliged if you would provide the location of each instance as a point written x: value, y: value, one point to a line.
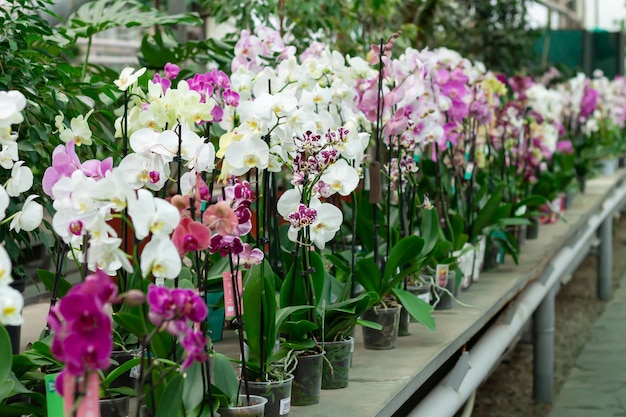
x: 486, y: 215
x: 259, y: 307
x: 6, y: 355
x: 407, y: 249
x: 48, y: 278
x: 368, y: 275
x: 5, y: 388
x: 119, y: 371
x: 429, y: 230
x: 131, y: 323
x: 193, y: 393
x: 416, y: 307
x: 369, y: 324
x: 171, y: 398
x: 125, y: 391
x: 225, y: 377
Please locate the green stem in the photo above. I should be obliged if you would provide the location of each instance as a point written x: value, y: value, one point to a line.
x: 87, y: 53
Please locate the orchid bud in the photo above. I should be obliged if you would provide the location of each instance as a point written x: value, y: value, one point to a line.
x: 134, y: 298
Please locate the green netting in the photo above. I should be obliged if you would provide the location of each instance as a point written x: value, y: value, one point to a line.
x: 564, y: 47
x: 578, y: 49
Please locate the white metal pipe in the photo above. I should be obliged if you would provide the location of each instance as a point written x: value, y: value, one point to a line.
x: 447, y: 398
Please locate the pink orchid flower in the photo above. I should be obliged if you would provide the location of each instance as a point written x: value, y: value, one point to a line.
x: 190, y: 236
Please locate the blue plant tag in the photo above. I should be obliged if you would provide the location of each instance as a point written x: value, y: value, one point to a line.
x: 469, y: 171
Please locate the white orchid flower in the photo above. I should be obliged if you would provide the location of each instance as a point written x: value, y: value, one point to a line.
x: 152, y: 215
x: 160, y: 258
x: 29, y: 218
x: 249, y: 152
x: 327, y: 222
x: 105, y: 254
x: 98, y: 227
x: 74, y: 205
x: 204, y: 158
x: 79, y: 131
x: 147, y: 170
x: 128, y: 77
x: 21, y: 179
x: 147, y: 141
x: 8, y: 155
x: 11, y: 304
x: 4, y: 202
x: 275, y: 163
x: 288, y: 202
x: 11, y: 105
x: 5, y: 268
x: 114, y: 190
x: 341, y: 177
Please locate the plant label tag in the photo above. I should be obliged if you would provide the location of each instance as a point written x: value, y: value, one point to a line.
x: 229, y: 295
x: 89, y: 405
x: 285, y: 406
x: 53, y: 398
x: 442, y: 275
x: 469, y: 171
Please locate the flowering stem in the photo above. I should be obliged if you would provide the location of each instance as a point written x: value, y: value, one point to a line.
x: 87, y: 53
x: 239, y: 324
x: 440, y: 194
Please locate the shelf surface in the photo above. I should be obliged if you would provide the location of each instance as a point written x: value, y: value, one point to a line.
x: 382, y: 381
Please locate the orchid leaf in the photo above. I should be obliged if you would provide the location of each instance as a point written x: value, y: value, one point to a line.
x: 429, y: 230
x: 172, y: 397
x: 6, y: 355
x: 47, y: 278
x: 416, y: 307
x: 193, y: 392
x: 407, y: 249
x: 119, y: 371
x: 368, y: 275
x: 259, y: 313
x: 225, y: 377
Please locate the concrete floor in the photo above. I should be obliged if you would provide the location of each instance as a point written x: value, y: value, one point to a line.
x: 596, y: 386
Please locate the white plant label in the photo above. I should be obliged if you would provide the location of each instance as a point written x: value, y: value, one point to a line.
x: 442, y: 275
x: 285, y: 406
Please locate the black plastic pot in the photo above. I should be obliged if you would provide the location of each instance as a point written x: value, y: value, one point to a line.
x: 568, y: 200
x: 307, y: 379
x: 15, y: 332
x: 128, y: 378
x: 582, y: 182
x: 115, y: 407
x: 532, y: 231
x: 277, y: 394
x: 386, y: 338
x: 405, y: 319
x: 492, y: 256
x: 336, y: 366
x: 521, y: 235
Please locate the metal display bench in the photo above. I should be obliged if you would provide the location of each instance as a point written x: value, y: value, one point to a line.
x: 432, y: 374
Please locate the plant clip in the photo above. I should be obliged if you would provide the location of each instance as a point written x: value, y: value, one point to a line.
x: 308, y: 271
x: 262, y: 241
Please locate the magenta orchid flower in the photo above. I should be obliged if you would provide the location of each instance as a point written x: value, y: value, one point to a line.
x: 171, y: 70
